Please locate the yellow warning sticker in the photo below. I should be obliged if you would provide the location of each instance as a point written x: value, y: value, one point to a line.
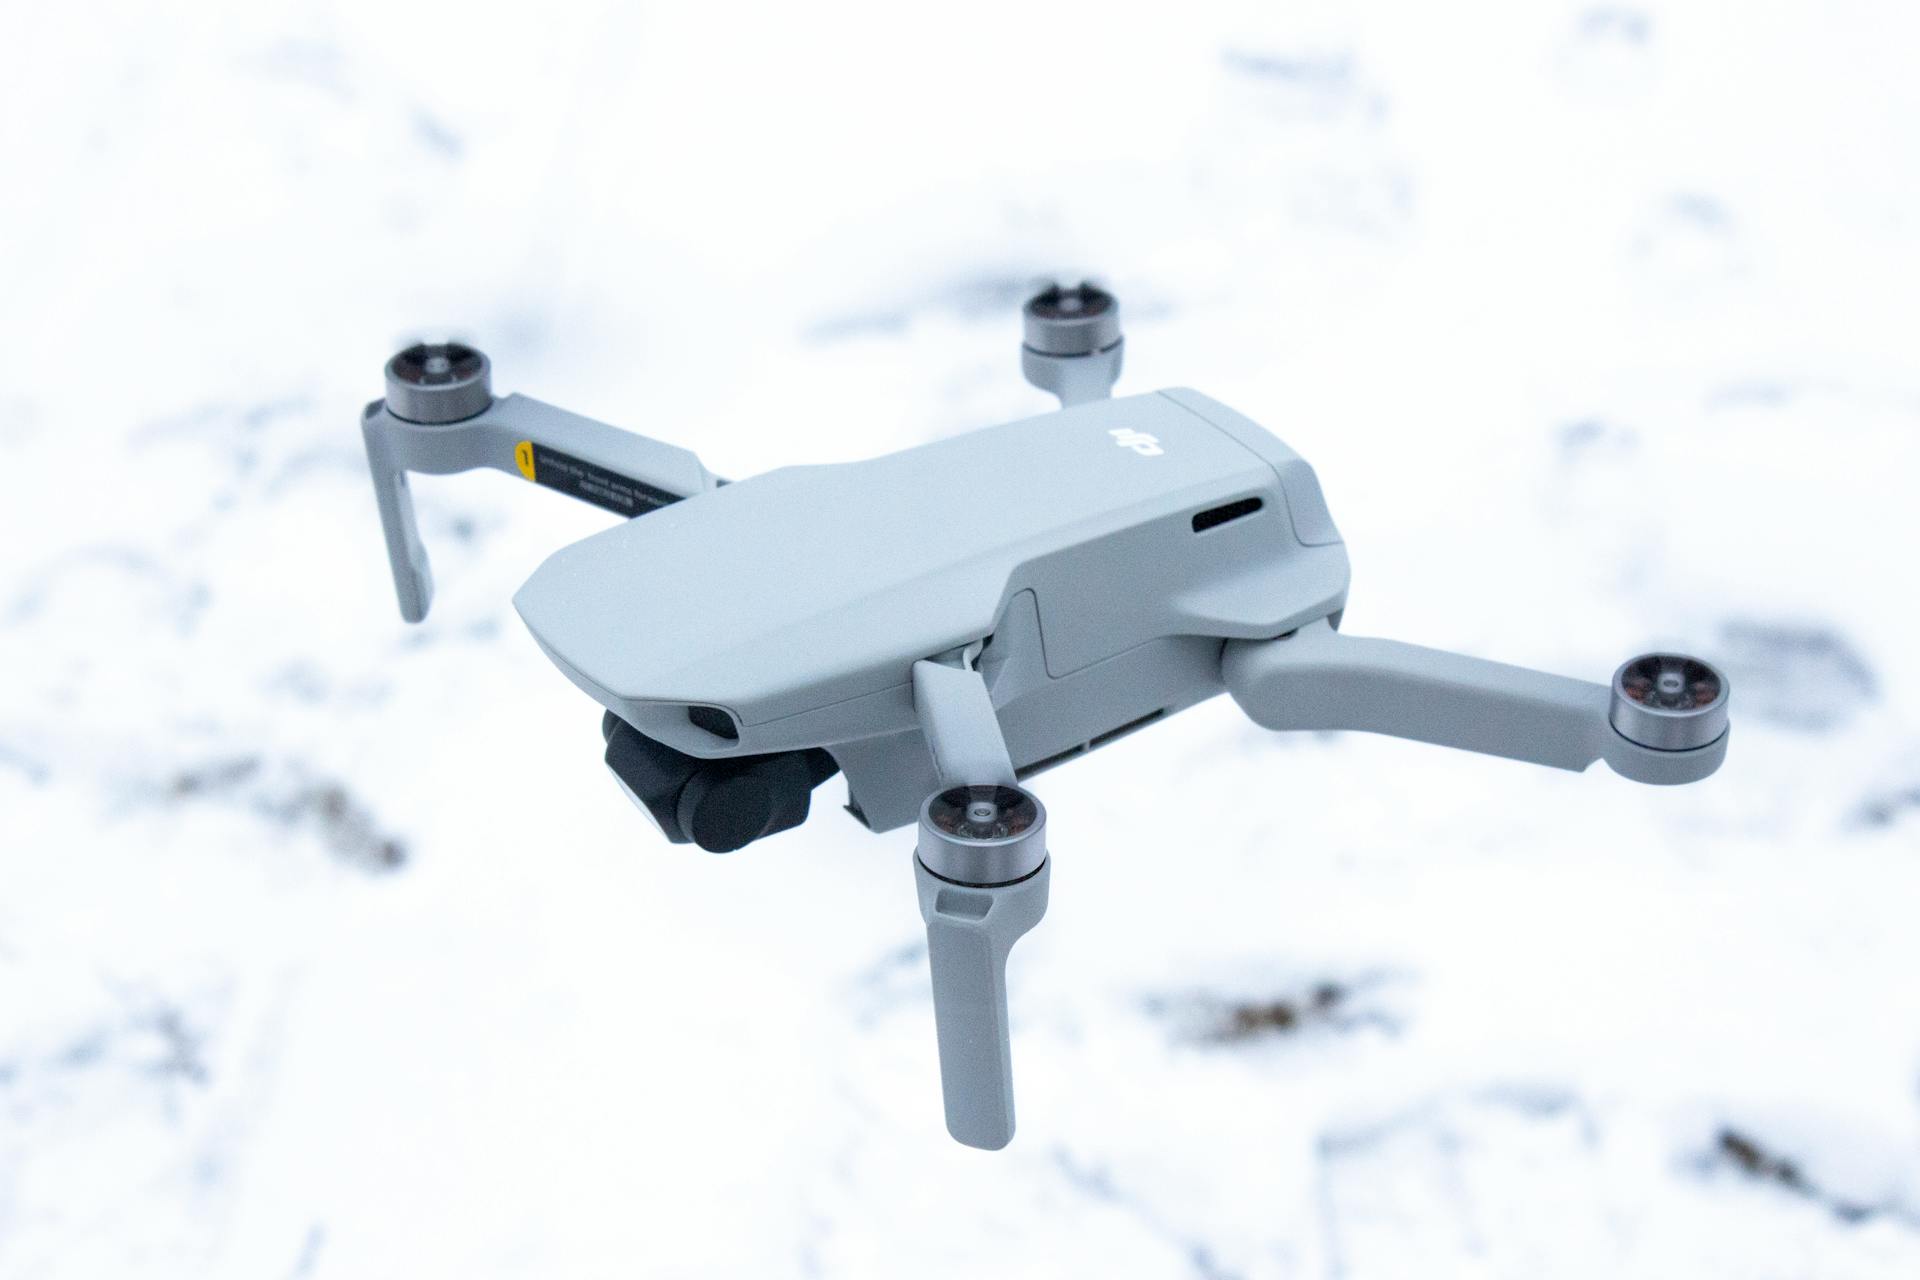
x: 588, y: 481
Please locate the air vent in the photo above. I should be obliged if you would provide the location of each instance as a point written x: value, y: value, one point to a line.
x: 1214, y: 517
x: 1042, y: 765
x: 714, y: 721
x: 1114, y: 735
x: 1061, y: 757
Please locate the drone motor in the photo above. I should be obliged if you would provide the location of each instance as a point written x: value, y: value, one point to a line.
x: 1669, y: 702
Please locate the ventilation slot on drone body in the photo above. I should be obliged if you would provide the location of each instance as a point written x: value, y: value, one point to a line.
x: 1092, y: 744
x: 1047, y: 762
x: 714, y: 721
x: 1112, y: 735
x: 1214, y: 517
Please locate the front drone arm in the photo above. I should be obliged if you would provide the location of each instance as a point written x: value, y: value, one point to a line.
x: 982, y: 871
x: 1663, y: 721
x: 440, y: 417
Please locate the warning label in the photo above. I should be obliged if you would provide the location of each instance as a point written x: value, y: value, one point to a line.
x: 587, y: 481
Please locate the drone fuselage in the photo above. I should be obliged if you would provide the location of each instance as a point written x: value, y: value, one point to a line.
x: 1091, y: 562
x: 943, y: 622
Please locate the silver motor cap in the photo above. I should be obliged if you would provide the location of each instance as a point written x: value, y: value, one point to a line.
x: 438, y: 382
x: 1071, y: 321
x: 1669, y: 702
x: 983, y: 835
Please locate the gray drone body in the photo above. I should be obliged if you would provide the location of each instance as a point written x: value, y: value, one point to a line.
x: 942, y: 623
x: 1095, y: 558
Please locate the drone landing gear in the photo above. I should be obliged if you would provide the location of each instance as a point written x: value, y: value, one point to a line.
x: 982, y: 871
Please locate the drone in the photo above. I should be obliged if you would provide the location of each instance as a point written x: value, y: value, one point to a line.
x: 749, y: 639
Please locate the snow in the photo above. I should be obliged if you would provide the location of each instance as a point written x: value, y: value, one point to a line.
x: 328, y: 950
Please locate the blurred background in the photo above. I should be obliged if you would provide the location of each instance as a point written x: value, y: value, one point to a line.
x: 329, y: 949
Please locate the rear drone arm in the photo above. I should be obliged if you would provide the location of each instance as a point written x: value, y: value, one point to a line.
x: 440, y: 417
x: 1663, y: 721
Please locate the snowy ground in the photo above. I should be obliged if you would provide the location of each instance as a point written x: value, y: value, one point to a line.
x: 328, y: 950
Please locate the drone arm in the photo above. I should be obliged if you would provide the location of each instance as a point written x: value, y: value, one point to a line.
x: 1318, y: 678
x: 977, y: 900
x: 957, y: 718
x: 606, y: 465
x: 625, y: 473
x: 1073, y: 379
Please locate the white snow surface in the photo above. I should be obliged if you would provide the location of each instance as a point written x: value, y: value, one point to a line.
x: 328, y: 949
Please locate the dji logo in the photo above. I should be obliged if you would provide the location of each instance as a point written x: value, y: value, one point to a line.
x: 1139, y: 441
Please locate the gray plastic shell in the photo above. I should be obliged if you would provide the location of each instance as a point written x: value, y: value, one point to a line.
x: 797, y: 601
x: 970, y: 933
x: 788, y: 598
x: 492, y: 438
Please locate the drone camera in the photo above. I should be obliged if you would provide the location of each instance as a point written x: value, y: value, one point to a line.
x: 721, y: 805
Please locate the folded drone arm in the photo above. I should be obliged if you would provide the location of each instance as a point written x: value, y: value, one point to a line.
x: 625, y: 473
x: 1319, y: 678
x: 981, y: 889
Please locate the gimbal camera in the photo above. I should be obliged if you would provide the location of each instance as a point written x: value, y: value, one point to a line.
x: 879, y: 619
